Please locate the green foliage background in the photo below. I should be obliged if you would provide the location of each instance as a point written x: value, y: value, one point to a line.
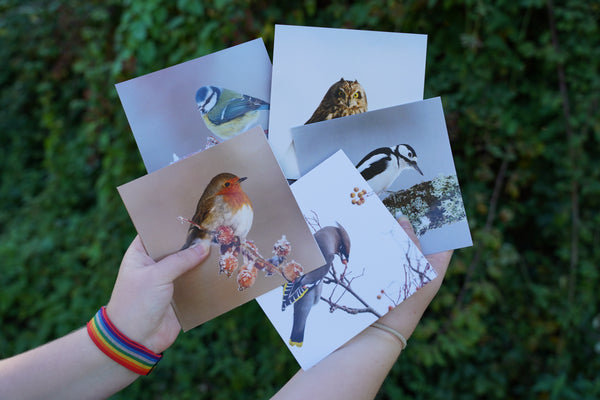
x: 518, y: 314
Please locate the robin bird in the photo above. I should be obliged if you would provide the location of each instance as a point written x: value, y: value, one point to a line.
x: 223, y: 203
x: 227, y: 113
x: 382, y: 166
x: 305, y: 292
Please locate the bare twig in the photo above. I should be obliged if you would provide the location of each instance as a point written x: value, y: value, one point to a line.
x: 346, y: 285
x: 350, y: 310
x: 313, y: 221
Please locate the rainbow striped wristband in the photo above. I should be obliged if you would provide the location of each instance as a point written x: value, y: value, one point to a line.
x: 119, y: 347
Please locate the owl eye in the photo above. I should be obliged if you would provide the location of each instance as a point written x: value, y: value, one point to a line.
x: 357, y: 95
x: 340, y: 93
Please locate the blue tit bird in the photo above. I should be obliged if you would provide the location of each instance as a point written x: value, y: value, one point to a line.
x: 305, y: 291
x: 227, y: 113
x: 382, y: 166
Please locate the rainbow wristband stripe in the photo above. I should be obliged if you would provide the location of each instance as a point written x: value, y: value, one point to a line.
x: 119, y: 347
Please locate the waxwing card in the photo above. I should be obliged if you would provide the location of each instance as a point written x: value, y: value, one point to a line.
x: 324, y: 73
x: 371, y: 265
x: 404, y: 154
x: 234, y: 197
x: 188, y: 107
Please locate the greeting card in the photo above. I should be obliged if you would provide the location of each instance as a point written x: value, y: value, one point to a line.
x: 404, y: 154
x: 325, y: 73
x: 235, y: 197
x: 188, y: 107
x: 370, y: 265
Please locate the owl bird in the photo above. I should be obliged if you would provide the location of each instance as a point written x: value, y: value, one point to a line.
x: 227, y: 113
x: 342, y: 99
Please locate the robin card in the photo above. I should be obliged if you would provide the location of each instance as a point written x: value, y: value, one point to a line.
x: 235, y: 197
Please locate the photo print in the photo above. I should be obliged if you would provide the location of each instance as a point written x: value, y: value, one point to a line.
x: 404, y: 154
x: 186, y: 108
x: 325, y: 73
x: 370, y: 266
x: 235, y: 197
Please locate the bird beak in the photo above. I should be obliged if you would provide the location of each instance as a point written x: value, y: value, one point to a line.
x: 415, y: 166
x: 245, y: 177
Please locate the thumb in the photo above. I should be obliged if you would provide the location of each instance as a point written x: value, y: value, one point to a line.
x: 178, y: 263
x: 408, y: 228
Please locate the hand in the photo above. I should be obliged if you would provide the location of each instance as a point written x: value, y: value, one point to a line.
x: 140, y: 304
x: 406, y: 315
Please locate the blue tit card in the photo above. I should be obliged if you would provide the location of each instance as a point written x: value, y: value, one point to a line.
x: 404, y: 154
x: 325, y: 73
x: 371, y: 264
x: 233, y: 196
x: 188, y: 107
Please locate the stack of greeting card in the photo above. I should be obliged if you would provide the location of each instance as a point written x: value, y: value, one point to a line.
x: 340, y: 113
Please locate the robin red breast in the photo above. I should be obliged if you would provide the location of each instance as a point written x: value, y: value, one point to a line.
x: 223, y: 203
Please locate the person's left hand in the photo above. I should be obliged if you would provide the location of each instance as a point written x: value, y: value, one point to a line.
x: 140, y: 304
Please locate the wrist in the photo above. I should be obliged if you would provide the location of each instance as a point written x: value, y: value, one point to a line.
x: 120, y: 348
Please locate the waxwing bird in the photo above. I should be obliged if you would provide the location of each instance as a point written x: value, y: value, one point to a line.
x: 223, y: 203
x: 227, y: 113
x: 382, y: 166
x: 305, y: 291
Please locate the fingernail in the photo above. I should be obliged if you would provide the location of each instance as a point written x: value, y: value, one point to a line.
x: 401, y: 218
x: 201, y: 247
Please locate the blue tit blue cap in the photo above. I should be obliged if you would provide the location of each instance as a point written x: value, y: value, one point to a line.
x: 205, y: 91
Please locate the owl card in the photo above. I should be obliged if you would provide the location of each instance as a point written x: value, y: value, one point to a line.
x: 404, y: 154
x: 370, y: 266
x: 325, y: 73
x: 188, y: 107
x: 235, y: 197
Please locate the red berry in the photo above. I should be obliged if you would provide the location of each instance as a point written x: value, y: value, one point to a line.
x: 228, y: 263
x: 224, y: 235
x: 246, y: 277
x: 292, y: 270
x: 282, y: 247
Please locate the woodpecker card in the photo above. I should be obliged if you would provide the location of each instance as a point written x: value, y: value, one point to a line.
x: 370, y: 266
x: 234, y: 197
x: 185, y: 108
x: 327, y: 73
x: 404, y: 154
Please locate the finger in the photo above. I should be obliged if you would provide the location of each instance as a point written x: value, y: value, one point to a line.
x: 178, y: 263
x: 136, y: 255
x: 137, y: 246
x: 408, y: 228
x: 440, y: 261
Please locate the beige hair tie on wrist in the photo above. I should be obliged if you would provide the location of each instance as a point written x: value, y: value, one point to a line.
x: 392, y: 331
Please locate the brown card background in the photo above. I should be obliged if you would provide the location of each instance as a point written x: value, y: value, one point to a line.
x: 156, y: 200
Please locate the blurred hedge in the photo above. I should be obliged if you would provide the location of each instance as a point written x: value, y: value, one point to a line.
x: 518, y: 315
